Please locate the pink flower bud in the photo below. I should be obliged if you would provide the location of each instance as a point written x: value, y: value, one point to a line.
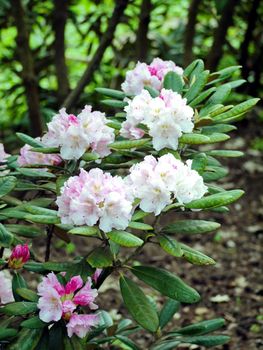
x: 19, y: 256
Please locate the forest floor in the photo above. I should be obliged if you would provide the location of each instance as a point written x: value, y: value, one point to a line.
x: 233, y: 288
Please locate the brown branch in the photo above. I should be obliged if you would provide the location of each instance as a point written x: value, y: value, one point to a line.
x: 105, y: 42
x: 48, y: 241
x: 142, y: 41
x: 190, y: 31
x: 59, y: 23
x: 28, y: 73
x: 220, y: 34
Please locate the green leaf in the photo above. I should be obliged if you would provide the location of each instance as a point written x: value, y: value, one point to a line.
x: 100, y: 257
x: 219, y: 128
x: 220, y: 95
x: 173, y: 81
x: 197, y: 86
x: 42, y: 219
x: 199, y: 163
x: 128, y: 144
x: 215, y: 200
x: 6, y: 238
x: 170, y: 307
x: 19, y: 308
x: 7, y: 184
x: 202, y: 328
x: 237, y: 110
x: 35, y: 173
x: 166, y: 345
x: 45, y: 150
x: 34, y: 267
x: 195, y: 257
x: 218, y: 137
x: 140, y: 226
x: 88, y: 157
x: 18, y: 282
x: 166, y: 283
x: 114, y: 103
x: 25, y: 230
x: 191, y: 227
x: 57, y: 266
x: 194, y: 139
x: 138, y: 215
x: 27, y: 339
x: 6, y: 333
x: 170, y: 245
x: 214, y: 173
x: 225, y: 153
x: 111, y: 93
x: 33, y: 209
x: 33, y: 323
x: 28, y: 140
x: 207, y: 341
x: 138, y: 305
x: 194, y: 68
x: 125, y: 239
x: 27, y: 294
x: 153, y: 92
x: 127, y: 341
x: 85, y: 231
x: 13, y: 213
x: 202, y: 97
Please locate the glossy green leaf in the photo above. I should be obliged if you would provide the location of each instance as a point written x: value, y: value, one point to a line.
x: 138, y: 305
x: 33, y: 209
x: 125, y: 239
x: 195, y: 257
x: 45, y: 150
x: 57, y: 266
x: 18, y: 281
x: 100, y: 257
x: 199, y: 162
x: 88, y: 157
x: 6, y: 237
x: 114, y: 103
x: 191, y: 227
x: 125, y: 340
x: 85, y: 231
x: 197, y: 86
x: 170, y: 307
x: 220, y: 95
x: 201, y: 97
x: 173, y: 81
x: 27, y: 339
x: 35, y: 173
x: 25, y: 230
x: 166, y: 283
x: 194, y: 68
x: 6, y: 333
x: 34, y: 267
x: 33, y: 323
x: 221, y: 128
x: 111, y: 93
x: 27, y: 294
x: 237, y: 110
x: 119, y: 145
x: 218, y: 137
x: 19, y: 308
x: 7, y: 184
x: 194, y: 139
x: 207, y: 341
x: 225, y: 153
x: 202, y: 328
x: 42, y: 219
x: 170, y: 245
x: 140, y: 226
x: 29, y: 140
x: 138, y: 215
x: 215, y: 200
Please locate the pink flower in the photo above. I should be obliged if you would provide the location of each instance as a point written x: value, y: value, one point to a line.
x: 3, y: 154
x: 6, y: 294
x: 76, y: 135
x: 57, y: 301
x: 86, y: 296
x: 94, y: 197
x: 27, y: 157
x: 81, y: 324
x: 19, y: 256
x: 148, y: 75
x: 96, y: 275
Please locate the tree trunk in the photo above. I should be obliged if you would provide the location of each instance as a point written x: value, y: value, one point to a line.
x: 220, y: 35
x: 190, y: 31
x: 28, y: 74
x: 59, y: 24
x: 104, y: 43
x: 142, y: 42
x: 251, y: 24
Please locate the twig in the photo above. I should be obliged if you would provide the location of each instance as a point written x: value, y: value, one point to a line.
x: 48, y: 244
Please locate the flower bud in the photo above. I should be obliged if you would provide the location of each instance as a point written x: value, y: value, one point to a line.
x: 19, y: 256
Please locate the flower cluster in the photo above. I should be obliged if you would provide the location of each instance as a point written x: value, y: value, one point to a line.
x: 95, y: 196
x: 27, y: 157
x: 19, y: 256
x: 158, y: 182
x: 76, y: 135
x: 58, y: 301
x: 6, y: 295
x: 148, y: 75
x: 166, y: 117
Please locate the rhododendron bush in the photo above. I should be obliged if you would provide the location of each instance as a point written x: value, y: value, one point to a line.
x: 111, y: 178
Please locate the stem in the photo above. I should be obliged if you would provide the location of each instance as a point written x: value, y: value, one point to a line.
x: 48, y: 244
